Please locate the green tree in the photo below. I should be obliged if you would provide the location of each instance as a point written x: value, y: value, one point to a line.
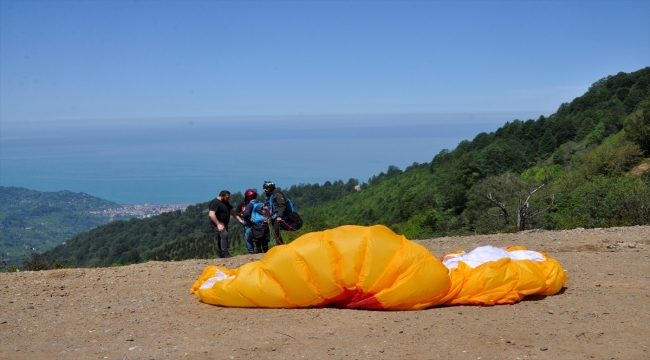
x: 637, y: 128
x: 517, y: 202
x: 565, y: 130
x: 423, y: 225
x: 585, y: 128
x: 547, y: 144
x: 597, y: 135
x: 502, y: 156
x: 453, y: 179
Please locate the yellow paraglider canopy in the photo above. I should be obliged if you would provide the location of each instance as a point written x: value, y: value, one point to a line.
x: 374, y: 268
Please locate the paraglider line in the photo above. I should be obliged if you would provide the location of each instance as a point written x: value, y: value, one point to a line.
x: 275, y: 236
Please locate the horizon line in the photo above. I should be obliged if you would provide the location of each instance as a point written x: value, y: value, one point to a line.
x: 289, y: 117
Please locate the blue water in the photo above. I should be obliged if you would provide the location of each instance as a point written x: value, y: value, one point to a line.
x: 190, y: 161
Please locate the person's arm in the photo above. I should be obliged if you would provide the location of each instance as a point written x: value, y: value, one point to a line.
x: 282, y: 205
x: 213, y: 217
x: 236, y: 216
x: 248, y: 211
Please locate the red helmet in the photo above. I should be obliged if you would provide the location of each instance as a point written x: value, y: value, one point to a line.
x: 250, y: 194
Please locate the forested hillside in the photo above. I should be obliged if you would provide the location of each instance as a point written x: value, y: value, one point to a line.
x: 131, y: 241
x: 584, y: 166
x: 33, y: 220
x: 571, y: 169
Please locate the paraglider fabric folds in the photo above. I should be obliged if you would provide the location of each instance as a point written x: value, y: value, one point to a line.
x: 373, y: 268
x: 491, y: 276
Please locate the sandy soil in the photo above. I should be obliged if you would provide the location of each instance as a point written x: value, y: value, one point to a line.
x: 145, y: 311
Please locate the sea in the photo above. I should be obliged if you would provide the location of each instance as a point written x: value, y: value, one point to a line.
x: 190, y: 160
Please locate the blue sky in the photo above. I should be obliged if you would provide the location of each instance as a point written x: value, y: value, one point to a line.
x: 92, y: 60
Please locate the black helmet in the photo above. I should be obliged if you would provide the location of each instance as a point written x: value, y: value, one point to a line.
x: 268, y: 185
x: 250, y: 194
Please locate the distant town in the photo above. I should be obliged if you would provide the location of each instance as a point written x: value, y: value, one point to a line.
x: 139, y: 211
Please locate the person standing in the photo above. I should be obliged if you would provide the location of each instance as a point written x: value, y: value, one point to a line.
x: 277, y: 204
x: 256, y: 235
x: 220, y: 212
x: 241, y: 208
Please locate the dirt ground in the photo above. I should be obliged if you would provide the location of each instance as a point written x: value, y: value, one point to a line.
x: 145, y: 311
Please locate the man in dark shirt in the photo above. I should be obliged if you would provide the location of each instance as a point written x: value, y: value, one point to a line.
x: 220, y: 212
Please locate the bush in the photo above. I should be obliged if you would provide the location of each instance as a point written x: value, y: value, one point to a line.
x: 605, y: 201
x: 36, y: 262
x: 637, y: 128
x: 614, y: 157
x: 423, y: 225
x: 596, y: 136
x: 544, y: 174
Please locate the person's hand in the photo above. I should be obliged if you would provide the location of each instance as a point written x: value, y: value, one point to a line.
x: 220, y: 227
x: 279, y: 219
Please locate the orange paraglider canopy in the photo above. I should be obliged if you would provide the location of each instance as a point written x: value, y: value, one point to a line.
x: 374, y: 268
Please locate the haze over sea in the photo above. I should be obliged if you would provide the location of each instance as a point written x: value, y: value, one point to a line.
x: 189, y: 160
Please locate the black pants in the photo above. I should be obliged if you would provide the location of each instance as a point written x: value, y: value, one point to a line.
x: 261, y: 247
x: 258, y: 236
x: 222, y: 243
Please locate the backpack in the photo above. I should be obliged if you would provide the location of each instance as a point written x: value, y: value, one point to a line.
x: 258, y: 214
x: 258, y: 227
x: 293, y: 221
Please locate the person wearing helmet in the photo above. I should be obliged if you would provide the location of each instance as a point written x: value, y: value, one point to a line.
x: 220, y: 212
x: 277, y: 204
x: 256, y: 233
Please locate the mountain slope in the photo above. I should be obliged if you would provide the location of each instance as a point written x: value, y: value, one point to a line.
x: 578, y: 157
x: 32, y: 220
x: 568, y: 170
